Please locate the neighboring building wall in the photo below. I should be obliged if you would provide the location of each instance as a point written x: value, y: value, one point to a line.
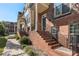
x: 11, y: 27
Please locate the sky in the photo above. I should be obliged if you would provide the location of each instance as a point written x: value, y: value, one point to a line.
x: 9, y: 11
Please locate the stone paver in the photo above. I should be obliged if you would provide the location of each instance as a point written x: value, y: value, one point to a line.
x: 13, y: 48
x: 65, y: 50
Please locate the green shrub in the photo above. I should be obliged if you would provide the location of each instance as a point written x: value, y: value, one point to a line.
x: 30, y: 52
x: 25, y: 40
x: 6, y: 34
x: 2, y: 30
x: 23, y: 46
x: 2, y: 42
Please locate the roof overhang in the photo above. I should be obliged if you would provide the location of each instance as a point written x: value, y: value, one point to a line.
x: 42, y: 7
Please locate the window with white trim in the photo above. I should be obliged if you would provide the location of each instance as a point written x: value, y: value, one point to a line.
x: 61, y: 9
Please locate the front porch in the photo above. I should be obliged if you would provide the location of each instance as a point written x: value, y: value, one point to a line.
x: 50, y: 49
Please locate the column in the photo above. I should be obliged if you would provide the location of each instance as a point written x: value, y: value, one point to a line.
x: 36, y: 17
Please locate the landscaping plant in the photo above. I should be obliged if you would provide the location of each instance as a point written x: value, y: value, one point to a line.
x: 2, y: 44
x: 30, y: 51
x: 25, y: 40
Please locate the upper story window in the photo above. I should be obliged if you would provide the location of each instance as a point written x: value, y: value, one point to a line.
x: 28, y: 18
x: 61, y: 9
x: 30, y: 5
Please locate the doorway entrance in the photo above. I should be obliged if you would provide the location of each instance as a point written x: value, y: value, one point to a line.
x: 43, y: 22
x: 54, y: 31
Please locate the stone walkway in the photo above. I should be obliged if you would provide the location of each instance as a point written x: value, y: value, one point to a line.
x: 13, y: 48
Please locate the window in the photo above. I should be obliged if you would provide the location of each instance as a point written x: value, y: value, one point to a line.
x: 28, y: 18
x: 44, y: 23
x: 61, y: 9
x: 57, y: 9
x: 74, y: 28
x: 54, y: 31
x: 30, y: 5
x: 65, y: 8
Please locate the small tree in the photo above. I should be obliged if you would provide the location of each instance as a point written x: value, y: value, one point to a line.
x: 2, y: 30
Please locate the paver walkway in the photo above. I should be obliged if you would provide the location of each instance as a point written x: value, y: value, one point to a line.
x: 13, y: 48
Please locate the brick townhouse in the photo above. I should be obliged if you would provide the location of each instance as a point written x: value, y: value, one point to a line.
x: 53, y: 27
x: 10, y: 27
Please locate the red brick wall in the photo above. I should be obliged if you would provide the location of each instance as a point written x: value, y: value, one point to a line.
x: 39, y: 22
x: 63, y: 24
x: 67, y: 19
x: 49, y: 24
x: 63, y: 35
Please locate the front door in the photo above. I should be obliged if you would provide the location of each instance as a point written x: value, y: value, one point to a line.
x: 74, y: 37
x: 43, y: 23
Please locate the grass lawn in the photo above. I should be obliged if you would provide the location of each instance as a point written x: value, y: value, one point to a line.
x: 2, y: 44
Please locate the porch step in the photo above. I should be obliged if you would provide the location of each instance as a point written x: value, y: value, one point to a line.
x: 51, y: 43
x: 46, y: 35
x: 55, y: 46
x: 49, y: 40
